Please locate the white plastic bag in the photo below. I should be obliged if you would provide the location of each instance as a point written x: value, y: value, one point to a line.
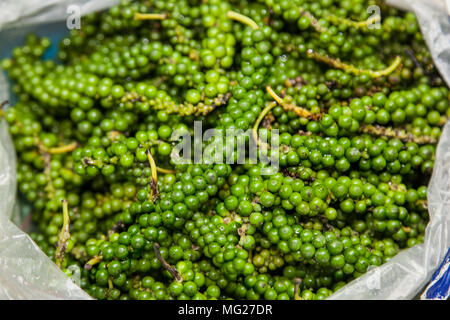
x: 27, y: 273
x: 408, y: 272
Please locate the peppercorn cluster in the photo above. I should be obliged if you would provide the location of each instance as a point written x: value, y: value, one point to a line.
x: 353, y: 99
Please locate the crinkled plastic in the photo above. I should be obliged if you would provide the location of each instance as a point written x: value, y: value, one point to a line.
x: 27, y: 273
x: 434, y: 20
x: 409, y: 271
x: 19, y: 13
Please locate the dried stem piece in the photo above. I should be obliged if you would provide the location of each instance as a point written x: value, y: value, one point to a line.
x: 297, y: 283
x: 165, y: 171
x: 313, y: 20
x: 92, y: 262
x: 116, y: 227
x: 167, y: 266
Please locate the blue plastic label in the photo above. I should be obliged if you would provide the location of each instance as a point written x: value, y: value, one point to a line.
x: 439, y: 287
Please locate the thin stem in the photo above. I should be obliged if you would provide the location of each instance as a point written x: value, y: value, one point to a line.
x: 154, y: 181
x: 273, y: 94
x: 172, y: 270
x: 91, y: 162
x: 92, y: 262
x: 355, y: 24
x: 262, y: 115
x: 62, y: 149
x: 297, y: 283
x: 165, y: 171
x: 301, y: 112
x: 149, y: 16
x: 64, y: 235
x: 338, y: 64
x: 400, y: 134
x: 241, y: 18
x: 117, y: 226
x: 337, y: 21
x: 314, y: 22
x: 110, y: 284
x: 388, y: 70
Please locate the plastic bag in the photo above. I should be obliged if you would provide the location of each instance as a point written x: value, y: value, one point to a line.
x: 20, y: 13
x: 27, y: 273
x: 409, y: 271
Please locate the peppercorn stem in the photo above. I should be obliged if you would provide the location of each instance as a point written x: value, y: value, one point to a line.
x: 272, y: 93
x: 117, y: 226
x: 64, y: 235
x: 92, y: 262
x: 165, y: 171
x: 356, y: 24
x: 297, y: 283
x: 388, y: 70
x: 172, y: 270
x: 338, y: 64
x: 244, y: 19
x: 154, y: 181
x: 262, y: 115
x: 313, y: 20
x: 149, y: 16
x: 301, y: 112
x: 62, y: 149
x: 400, y: 134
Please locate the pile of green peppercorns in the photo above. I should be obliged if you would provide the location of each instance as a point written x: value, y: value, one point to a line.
x: 355, y: 98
